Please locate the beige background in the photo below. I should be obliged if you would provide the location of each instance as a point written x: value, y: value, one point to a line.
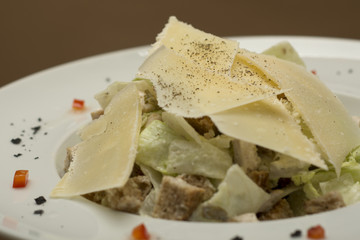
x: 38, y: 34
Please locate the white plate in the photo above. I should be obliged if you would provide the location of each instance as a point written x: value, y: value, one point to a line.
x: 49, y: 94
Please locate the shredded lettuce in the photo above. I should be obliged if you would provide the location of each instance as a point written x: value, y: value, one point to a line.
x: 345, y: 185
x: 319, y: 182
x: 164, y: 150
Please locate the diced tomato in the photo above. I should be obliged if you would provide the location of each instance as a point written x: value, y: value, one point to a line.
x: 313, y: 72
x: 21, y: 178
x: 316, y: 232
x: 140, y: 233
x: 78, y: 104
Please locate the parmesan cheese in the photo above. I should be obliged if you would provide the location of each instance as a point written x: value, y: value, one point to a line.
x: 211, y: 52
x: 188, y: 90
x: 326, y: 117
x: 269, y: 124
x: 105, y: 160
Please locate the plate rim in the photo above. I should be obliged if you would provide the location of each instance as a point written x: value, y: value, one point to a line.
x: 14, y: 84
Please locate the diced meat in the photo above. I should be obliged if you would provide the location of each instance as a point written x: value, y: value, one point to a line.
x: 329, y: 201
x: 261, y: 178
x: 280, y: 210
x: 97, y: 114
x: 204, y: 126
x: 177, y: 199
x: 201, y: 182
x: 128, y: 198
x: 245, y: 154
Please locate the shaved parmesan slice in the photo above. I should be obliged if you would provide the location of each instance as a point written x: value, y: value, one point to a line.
x: 188, y: 90
x: 106, y: 160
x: 104, y: 97
x: 95, y: 127
x: 204, y: 49
x: 251, y: 78
x: 326, y: 117
x: 269, y: 124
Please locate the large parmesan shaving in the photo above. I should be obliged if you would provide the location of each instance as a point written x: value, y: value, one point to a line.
x: 188, y: 90
x: 269, y: 124
x: 104, y: 97
x: 106, y: 159
x: 326, y: 117
x: 204, y: 49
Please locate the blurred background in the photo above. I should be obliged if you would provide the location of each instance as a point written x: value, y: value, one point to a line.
x: 38, y: 34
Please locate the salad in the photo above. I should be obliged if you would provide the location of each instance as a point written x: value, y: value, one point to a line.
x: 208, y: 131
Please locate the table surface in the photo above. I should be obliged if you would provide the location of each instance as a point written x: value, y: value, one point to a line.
x: 39, y: 34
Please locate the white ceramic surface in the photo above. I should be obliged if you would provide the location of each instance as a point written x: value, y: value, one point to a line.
x: 48, y: 95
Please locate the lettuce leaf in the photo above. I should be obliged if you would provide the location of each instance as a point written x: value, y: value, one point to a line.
x: 284, y: 50
x: 318, y: 182
x: 237, y: 194
x: 166, y: 151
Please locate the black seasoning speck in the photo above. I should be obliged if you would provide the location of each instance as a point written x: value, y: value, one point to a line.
x: 36, y: 158
x: 35, y: 129
x: 296, y: 234
x: 39, y: 212
x: 17, y: 155
x: 11, y: 124
x: 40, y: 200
x: 237, y: 238
x: 16, y: 140
x: 39, y: 119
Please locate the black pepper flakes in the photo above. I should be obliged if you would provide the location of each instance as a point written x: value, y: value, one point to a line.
x: 296, y: 233
x: 17, y: 155
x: 39, y: 212
x: 35, y: 129
x: 16, y: 140
x: 237, y: 238
x: 40, y: 200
